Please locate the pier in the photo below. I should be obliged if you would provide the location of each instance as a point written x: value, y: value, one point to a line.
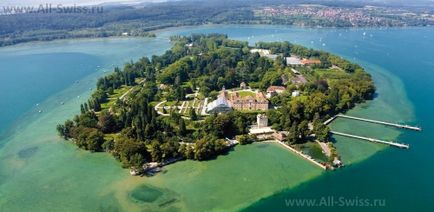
x: 399, y: 145
x: 377, y: 122
x: 328, y: 121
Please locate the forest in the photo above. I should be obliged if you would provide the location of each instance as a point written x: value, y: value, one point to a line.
x: 134, y: 133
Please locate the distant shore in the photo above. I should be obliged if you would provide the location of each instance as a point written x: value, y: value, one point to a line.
x: 154, y: 33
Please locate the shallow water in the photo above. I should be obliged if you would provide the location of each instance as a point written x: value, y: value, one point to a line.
x: 40, y: 172
x: 232, y: 181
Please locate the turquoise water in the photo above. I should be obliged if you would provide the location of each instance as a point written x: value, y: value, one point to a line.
x: 39, y: 172
x: 30, y: 73
x: 33, y: 85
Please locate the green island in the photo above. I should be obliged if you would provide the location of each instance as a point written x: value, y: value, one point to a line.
x: 209, y: 93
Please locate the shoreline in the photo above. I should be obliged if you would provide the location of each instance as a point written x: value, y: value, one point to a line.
x: 157, y: 31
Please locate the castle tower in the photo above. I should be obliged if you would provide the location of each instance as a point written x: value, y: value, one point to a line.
x: 262, y: 120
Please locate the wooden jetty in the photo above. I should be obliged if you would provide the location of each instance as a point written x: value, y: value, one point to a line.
x: 399, y: 145
x: 379, y: 122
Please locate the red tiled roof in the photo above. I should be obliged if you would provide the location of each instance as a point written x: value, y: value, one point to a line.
x: 275, y: 88
x: 308, y: 62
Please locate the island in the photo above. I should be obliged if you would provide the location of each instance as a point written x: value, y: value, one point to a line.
x: 209, y: 93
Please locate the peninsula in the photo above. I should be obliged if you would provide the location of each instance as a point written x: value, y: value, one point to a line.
x: 208, y: 93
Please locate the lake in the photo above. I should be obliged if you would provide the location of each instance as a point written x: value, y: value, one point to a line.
x: 44, y: 83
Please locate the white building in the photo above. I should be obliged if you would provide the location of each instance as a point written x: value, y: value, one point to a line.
x: 274, y: 90
x: 293, y: 60
x: 219, y: 105
x: 262, y: 52
x: 262, y: 120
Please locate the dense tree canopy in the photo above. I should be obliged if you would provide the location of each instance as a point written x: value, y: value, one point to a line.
x: 135, y: 134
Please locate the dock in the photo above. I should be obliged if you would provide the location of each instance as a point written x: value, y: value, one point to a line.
x: 379, y: 122
x: 328, y: 121
x: 395, y: 144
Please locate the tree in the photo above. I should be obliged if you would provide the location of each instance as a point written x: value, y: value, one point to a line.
x: 107, y: 122
x: 88, y: 119
x: 182, y: 129
x: 136, y: 161
x: 246, y: 139
x: 322, y: 131
x: 125, y: 148
x: 271, y: 78
x: 208, y: 147
x: 108, y: 145
x: 94, y: 140
x: 155, y: 150
x: 303, y: 130
x: 292, y: 137
x: 61, y: 130
x: 82, y: 109
x: 187, y: 151
x: 193, y: 114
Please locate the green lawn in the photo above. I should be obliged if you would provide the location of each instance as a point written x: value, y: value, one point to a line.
x: 113, y: 98
x: 171, y: 103
x: 246, y: 93
x: 329, y: 74
x: 138, y: 80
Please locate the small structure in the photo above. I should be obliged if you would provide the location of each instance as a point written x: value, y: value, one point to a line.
x: 295, y: 71
x: 262, y: 52
x: 262, y: 120
x: 271, y: 56
x: 280, y: 136
x: 293, y: 60
x: 263, y: 133
x: 310, y: 62
x: 299, y: 80
x: 274, y: 90
x: 261, y: 130
x: 337, y: 163
x: 295, y: 93
x: 243, y: 85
